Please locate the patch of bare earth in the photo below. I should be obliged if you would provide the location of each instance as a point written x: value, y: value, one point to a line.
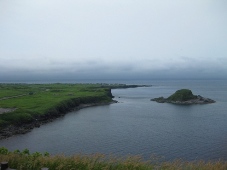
x: 6, y: 110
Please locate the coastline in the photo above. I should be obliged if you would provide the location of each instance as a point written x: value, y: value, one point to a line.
x: 12, y: 130
x: 57, y: 111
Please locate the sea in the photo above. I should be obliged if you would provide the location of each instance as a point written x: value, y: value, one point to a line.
x: 136, y: 126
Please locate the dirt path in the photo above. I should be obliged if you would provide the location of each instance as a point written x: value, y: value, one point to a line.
x: 11, y: 97
x: 5, y: 110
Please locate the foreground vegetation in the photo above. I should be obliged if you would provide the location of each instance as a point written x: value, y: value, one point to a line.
x: 39, y: 101
x: 23, y: 160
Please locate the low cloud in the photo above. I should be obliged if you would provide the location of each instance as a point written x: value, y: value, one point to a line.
x: 118, y: 39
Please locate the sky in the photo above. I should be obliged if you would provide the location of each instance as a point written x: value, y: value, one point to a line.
x: 117, y: 39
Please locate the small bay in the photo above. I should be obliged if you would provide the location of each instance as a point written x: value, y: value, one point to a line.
x: 137, y: 126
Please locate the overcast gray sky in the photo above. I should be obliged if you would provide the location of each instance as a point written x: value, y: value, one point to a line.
x: 113, y: 38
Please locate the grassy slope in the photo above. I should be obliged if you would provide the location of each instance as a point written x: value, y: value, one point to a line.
x: 181, y: 95
x: 41, y: 99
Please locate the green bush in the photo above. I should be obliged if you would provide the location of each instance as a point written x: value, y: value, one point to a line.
x: 16, y: 117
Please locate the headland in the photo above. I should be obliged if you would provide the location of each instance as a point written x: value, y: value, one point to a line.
x: 26, y: 106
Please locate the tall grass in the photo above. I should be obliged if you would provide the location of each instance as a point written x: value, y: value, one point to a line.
x: 26, y: 161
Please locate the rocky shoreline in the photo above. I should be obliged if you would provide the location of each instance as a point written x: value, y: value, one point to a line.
x: 25, y: 128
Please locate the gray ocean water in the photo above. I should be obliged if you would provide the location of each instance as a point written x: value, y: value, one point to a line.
x: 137, y: 126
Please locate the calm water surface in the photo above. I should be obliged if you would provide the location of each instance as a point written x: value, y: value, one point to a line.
x: 139, y: 126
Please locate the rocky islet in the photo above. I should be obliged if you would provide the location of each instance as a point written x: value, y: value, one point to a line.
x: 184, y: 97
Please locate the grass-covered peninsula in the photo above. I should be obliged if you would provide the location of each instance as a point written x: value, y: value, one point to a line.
x: 25, y: 106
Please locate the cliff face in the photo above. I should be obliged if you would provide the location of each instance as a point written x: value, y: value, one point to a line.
x: 184, y: 96
x: 109, y: 93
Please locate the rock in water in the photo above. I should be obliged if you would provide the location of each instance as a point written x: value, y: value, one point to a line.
x: 184, y: 96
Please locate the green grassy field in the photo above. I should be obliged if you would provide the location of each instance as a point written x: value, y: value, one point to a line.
x: 34, y: 100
